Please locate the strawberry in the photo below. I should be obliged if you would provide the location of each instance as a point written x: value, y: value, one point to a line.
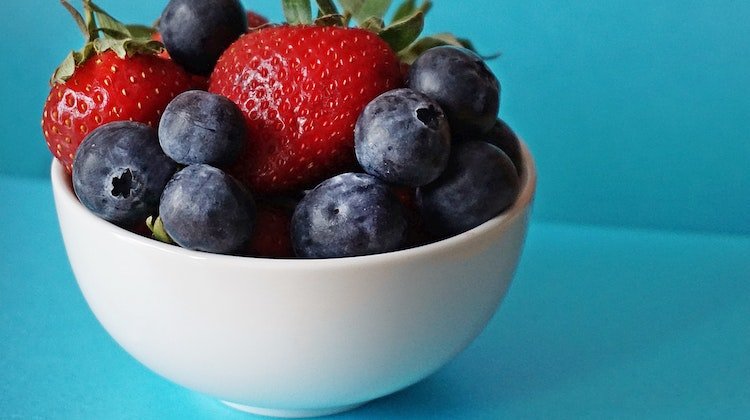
x: 301, y: 89
x: 416, y: 234
x: 255, y: 20
x: 163, y: 53
x: 271, y: 237
x: 116, y: 76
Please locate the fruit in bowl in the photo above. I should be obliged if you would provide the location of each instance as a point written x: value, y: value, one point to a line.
x: 322, y: 230
x: 292, y: 337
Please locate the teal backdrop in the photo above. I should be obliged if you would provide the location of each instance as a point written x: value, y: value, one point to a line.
x: 631, y: 299
x: 638, y: 112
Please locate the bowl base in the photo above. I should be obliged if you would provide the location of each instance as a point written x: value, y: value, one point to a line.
x: 292, y: 414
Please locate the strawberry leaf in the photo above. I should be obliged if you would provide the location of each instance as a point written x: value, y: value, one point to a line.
x: 405, y: 9
x: 374, y: 24
x: 362, y: 10
x: 450, y: 39
x: 402, y: 33
x: 156, y: 226
x: 65, y: 69
x: 297, y: 12
x: 327, y: 7
x: 330, y: 20
x: 88, y: 16
x: 411, y: 53
x: 347, y: 17
x: 140, y: 31
x: 425, y: 6
x: 80, y: 22
x: 105, y: 21
x: 409, y: 7
x: 112, y: 34
x: 375, y: 8
x: 103, y: 33
x: 116, y: 45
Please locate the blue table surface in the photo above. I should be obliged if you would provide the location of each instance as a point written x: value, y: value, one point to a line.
x: 599, y: 323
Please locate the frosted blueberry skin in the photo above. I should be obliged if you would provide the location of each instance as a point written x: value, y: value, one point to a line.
x: 348, y: 215
x: 478, y: 184
x: 463, y: 85
x: 196, y: 32
x: 119, y: 172
x: 502, y: 136
x: 402, y: 137
x: 205, y: 209
x: 201, y: 127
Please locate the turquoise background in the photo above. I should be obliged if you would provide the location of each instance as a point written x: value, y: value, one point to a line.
x: 632, y: 300
x: 638, y: 112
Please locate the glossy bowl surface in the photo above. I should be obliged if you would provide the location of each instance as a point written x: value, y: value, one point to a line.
x: 292, y: 338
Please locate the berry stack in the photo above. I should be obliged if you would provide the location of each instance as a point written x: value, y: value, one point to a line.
x: 308, y: 139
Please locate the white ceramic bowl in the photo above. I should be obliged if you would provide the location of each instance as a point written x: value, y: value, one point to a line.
x: 292, y: 338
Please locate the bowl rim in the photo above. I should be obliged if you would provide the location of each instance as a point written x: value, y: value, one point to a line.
x: 62, y: 188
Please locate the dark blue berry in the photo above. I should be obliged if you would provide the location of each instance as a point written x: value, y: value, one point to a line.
x: 478, y: 184
x: 205, y: 209
x: 502, y: 136
x: 348, y: 215
x: 196, y: 32
x: 119, y: 172
x: 402, y: 137
x: 461, y: 83
x: 201, y: 127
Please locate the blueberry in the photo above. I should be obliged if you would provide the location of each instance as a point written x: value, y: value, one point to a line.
x: 502, y: 136
x: 196, y: 32
x: 201, y: 127
x: 119, y: 172
x: 205, y: 209
x: 347, y: 215
x: 402, y: 137
x: 478, y: 184
x: 461, y: 83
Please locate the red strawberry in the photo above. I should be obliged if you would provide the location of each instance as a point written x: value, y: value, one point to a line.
x: 272, y: 237
x: 302, y: 89
x: 163, y: 53
x: 416, y: 234
x: 109, y: 80
x: 255, y: 20
x: 405, y: 71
